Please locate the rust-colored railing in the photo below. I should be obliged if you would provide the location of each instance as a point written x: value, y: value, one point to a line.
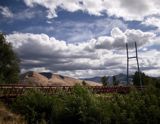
x: 14, y: 90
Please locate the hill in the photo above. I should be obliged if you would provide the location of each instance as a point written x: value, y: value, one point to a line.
x: 48, y: 79
x: 33, y: 78
x: 95, y: 79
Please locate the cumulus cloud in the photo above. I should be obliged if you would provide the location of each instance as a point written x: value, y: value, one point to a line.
x: 150, y: 63
x: 138, y: 36
x: 41, y: 52
x: 119, y: 38
x: 6, y: 12
x: 47, y: 51
x: 152, y: 21
x: 128, y: 10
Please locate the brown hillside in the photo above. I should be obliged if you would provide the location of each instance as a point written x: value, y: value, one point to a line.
x: 38, y: 79
x: 33, y: 78
x: 63, y: 80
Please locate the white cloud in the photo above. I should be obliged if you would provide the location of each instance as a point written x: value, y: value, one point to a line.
x: 6, y: 12
x: 95, y: 57
x: 127, y: 9
x: 138, y: 36
x: 24, y: 14
x: 119, y: 38
x: 152, y: 21
x: 150, y: 63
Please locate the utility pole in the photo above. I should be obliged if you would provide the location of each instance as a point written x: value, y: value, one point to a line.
x: 133, y: 57
x: 127, y: 64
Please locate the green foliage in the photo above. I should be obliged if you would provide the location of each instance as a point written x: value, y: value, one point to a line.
x: 80, y: 106
x: 104, y: 81
x: 136, y: 79
x: 115, y: 82
x: 37, y: 107
x: 83, y: 83
x: 146, y: 80
x: 9, y: 63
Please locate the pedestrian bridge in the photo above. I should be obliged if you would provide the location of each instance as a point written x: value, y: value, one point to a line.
x: 14, y: 90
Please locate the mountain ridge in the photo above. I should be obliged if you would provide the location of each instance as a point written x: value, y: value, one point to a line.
x: 122, y: 78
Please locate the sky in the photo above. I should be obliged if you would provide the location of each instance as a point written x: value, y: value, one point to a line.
x: 83, y: 38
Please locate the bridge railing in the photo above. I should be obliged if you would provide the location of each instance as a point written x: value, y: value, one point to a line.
x: 14, y: 90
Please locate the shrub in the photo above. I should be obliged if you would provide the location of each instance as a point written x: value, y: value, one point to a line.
x: 34, y: 106
x: 80, y: 106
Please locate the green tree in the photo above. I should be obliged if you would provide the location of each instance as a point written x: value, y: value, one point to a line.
x: 146, y: 80
x: 104, y: 81
x: 84, y: 83
x: 9, y: 63
x: 115, y: 81
x: 136, y: 78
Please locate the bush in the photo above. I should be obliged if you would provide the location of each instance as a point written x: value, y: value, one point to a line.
x: 80, y: 106
x: 34, y: 105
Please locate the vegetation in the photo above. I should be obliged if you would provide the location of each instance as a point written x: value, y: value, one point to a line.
x: 84, y: 83
x: 9, y: 64
x: 115, y: 81
x: 80, y: 106
x: 104, y: 81
x: 146, y: 80
x: 7, y: 117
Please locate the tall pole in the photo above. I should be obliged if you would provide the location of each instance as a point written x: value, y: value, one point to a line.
x: 140, y: 81
x: 127, y: 64
x: 133, y: 57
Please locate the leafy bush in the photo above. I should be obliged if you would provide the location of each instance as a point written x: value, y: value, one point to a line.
x: 33, y: 106
x: 80, y: 106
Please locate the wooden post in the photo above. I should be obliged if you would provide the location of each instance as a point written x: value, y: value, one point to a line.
x: 127, y: 64
x: 139, y: 73
x: 138, y: 68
